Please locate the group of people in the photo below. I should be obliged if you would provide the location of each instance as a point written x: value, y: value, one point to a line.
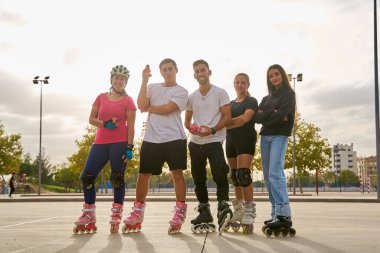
x: 211, y: 118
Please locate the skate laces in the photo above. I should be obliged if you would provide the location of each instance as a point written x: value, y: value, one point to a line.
x: 179, y: 212
x: 85, y: 215
x: 136, y: 212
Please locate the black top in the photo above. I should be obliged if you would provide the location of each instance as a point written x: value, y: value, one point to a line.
x: 276, y: 112
x: 237, y: 109
x: 11, y: 181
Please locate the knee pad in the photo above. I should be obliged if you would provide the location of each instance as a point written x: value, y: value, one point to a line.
x: 117, y: 180
x: 233, y: 175
x: 244, y: 177
x: 88, y: 180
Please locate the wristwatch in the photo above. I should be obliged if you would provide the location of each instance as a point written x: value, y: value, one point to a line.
x: 213, y: 131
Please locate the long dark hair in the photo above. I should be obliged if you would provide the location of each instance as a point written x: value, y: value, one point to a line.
x: 285, y: 81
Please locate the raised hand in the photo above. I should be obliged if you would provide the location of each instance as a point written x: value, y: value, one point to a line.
x: 146, y: 73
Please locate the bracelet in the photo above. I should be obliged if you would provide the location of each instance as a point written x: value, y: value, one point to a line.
x: 213, y: 131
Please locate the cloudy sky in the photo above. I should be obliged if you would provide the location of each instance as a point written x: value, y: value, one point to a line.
x: 77, y: 43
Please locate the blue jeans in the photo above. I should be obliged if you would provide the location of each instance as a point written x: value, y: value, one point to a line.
x: 273, y: 149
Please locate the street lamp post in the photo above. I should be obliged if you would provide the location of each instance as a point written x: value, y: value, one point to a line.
x: 377, y: 116
x: 36, y: 80
x: 299, y: 79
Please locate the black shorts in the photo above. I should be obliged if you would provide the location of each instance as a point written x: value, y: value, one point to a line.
x: 237, y: 145
x: 154, y: 155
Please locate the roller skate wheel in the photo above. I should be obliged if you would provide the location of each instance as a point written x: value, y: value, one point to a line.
x: 114, y: 228
x: 235, y: 227
x: 276, y: 233
x: 173, y: 230
x: 284, y: 233
x: 75, y: 230
x: 292, y: 232
x: 263, y: 228
x: 227, y: 227
x: 268, y: 232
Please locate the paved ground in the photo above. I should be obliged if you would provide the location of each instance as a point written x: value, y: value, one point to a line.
x: 321, y: 227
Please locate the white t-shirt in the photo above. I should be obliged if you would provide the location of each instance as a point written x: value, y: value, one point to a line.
x: 206, y: 112
x: 165, y: 128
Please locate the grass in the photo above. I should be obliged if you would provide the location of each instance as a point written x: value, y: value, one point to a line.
x: 53, y: 188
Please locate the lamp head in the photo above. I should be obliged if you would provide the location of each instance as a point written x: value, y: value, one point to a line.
x: 289, y: 77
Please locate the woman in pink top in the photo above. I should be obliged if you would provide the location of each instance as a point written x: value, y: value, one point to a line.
x: 113, y: 113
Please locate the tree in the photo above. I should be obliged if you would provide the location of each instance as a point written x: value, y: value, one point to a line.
x: 47, y: 169
x: 64, y: 177
x: 10, y: 152
x: 348, y: 178
x: 312, y: 151
x: 329, y: 177
x: 27, y: 167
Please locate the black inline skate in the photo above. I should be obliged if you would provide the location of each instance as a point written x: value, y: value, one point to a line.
x: 203, y: 222
x: 266, y: 224
x: 224, y: 215
x: 280, y: 225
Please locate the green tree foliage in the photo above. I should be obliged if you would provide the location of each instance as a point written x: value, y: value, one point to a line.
x: 312, y: 151
x: 348, y: 178
x: 27, y: 167
x: 64, y: 177
x: 10, y: 152
x: 47, y: 169
x: 329, y: 177
x: 78, y: 160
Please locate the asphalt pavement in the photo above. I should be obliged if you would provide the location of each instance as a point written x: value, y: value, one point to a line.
x: 331, y: 222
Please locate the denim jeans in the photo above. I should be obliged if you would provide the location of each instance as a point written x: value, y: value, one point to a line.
x: 273, y: 149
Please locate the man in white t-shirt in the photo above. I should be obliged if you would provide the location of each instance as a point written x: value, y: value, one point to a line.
x: 164, y: 141
x: 209, y: 107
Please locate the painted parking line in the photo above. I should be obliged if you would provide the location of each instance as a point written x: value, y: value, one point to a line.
x: 28, y: 222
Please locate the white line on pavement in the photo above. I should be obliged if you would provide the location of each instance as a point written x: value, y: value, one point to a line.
x: 22, y: 223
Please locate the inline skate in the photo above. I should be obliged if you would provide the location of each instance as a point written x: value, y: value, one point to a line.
x: 280, y: 225
x: 224, y: 215
x: 117, y: 213
x: 237, y: 216
x: 266, y: 224
x: 249, y: 217
x: 86, y: 222
x: 178, y: 218
x: 133, y: 222
x: 203, y: 223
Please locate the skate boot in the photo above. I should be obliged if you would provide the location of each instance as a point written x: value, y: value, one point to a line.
x: 224, y: 215
x: 237, y: 216
x: 178, y: 218
x: 249, y: 217
x: 203, y: 223
x: 280, y: 225
x: 117, y: 213
x: 86, y: 222
x: 133, y: 222
x: 266, y: 224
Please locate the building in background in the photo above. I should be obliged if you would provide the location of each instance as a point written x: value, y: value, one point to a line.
x: 343, y: 158
x: 367, y: 170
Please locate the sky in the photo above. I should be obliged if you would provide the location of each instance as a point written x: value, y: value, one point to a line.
x: 78, y: 42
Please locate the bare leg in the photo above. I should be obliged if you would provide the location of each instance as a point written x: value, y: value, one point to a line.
x: 179, y: 185
x: 142, y: 186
